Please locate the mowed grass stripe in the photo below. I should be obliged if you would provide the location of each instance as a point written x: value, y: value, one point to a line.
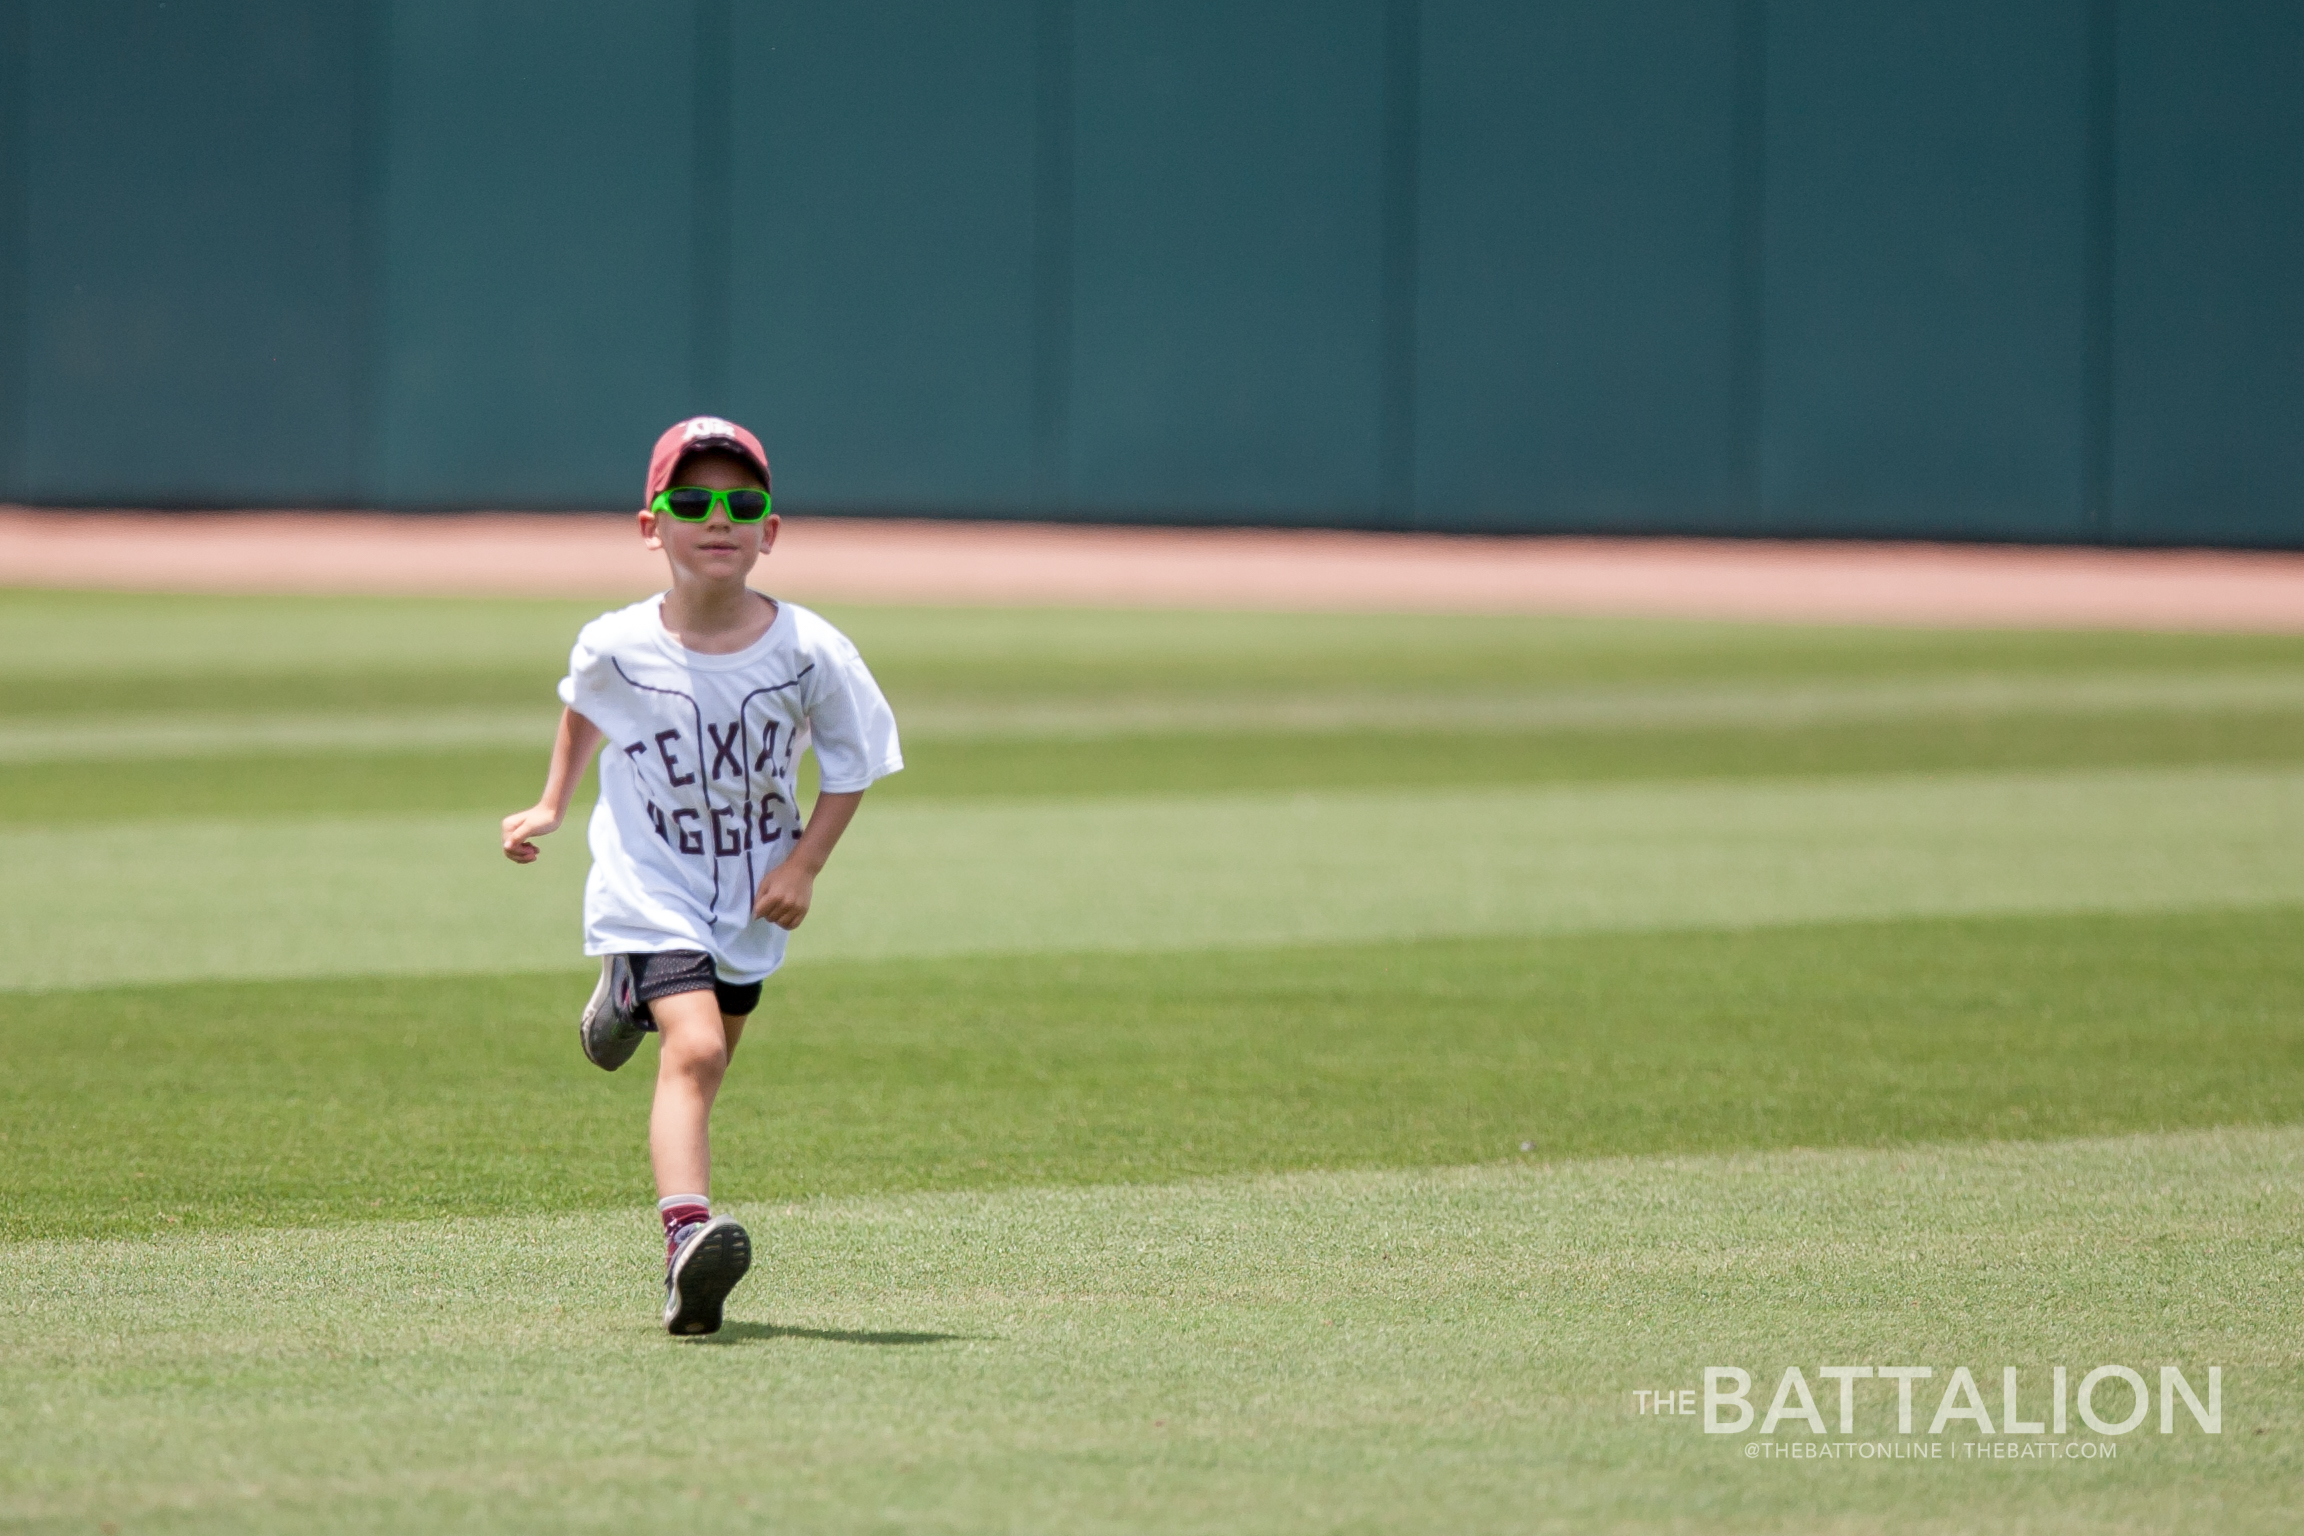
x: 1418, y: 1350
x: 1239, y: 761
x: 166, y: 637
x: 282, y: 783
x: 95, y: 657
x: 431, y: 895
x: 269, y: 1103
x: 141, y: 737
x: 125, y: 634
x: 170, y: 734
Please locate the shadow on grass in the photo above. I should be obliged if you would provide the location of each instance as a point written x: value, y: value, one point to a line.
x: 761, y: 1333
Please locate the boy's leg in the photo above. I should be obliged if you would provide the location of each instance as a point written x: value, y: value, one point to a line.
x: 700, y: 1027
x: 689, y: 1067
x: 704, y: 1256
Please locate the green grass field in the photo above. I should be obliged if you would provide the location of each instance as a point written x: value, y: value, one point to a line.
x: 1251, y: 1072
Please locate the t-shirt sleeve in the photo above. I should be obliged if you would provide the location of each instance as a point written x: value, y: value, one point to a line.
x: 850, y: 724
x: 588, y: 688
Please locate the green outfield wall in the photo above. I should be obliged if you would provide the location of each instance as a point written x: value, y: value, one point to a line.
x: 2031, y: 269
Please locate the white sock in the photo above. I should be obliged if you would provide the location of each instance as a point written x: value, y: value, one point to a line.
x: 686, y: 1206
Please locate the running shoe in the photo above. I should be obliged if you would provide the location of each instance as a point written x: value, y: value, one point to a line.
x: 707, y: 1261
x: 615, y: 1019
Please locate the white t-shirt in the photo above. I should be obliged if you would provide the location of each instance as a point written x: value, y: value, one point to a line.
x: 697, y: 797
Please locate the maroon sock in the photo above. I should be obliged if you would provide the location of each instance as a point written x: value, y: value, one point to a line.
x: 681, y: 1212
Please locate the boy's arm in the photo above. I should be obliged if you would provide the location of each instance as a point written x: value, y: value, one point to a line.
x: 573, y: 746
x: 790, y: 886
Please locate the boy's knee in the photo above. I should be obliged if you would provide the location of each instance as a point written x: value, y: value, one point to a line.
x: 694, y: 1056
x: 695, y: 1042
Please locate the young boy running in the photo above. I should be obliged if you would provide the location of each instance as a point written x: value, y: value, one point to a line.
x: 706, y: 694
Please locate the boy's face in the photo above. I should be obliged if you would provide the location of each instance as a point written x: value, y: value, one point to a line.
x: 713, y: 551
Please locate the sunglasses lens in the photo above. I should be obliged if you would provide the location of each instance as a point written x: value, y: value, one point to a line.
x: 689, y: 504
x: 747, y: 506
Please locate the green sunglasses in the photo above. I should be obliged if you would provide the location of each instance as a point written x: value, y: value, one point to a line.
x: 694, y: 503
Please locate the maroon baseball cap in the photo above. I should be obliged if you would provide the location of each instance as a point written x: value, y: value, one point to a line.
x: 701, y: 434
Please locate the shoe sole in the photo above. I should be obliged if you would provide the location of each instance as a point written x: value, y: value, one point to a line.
x: 714, y: 1261
x: 613, y: 1050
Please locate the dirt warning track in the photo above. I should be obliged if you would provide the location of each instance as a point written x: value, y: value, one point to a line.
x: 1031, y: 564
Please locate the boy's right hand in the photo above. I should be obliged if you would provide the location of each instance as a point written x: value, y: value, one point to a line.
x: 520, y: 826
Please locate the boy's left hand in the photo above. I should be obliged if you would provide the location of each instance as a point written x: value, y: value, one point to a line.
x: 784, y: 895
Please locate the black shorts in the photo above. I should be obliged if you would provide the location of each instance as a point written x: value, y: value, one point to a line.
x: 690, y: 970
